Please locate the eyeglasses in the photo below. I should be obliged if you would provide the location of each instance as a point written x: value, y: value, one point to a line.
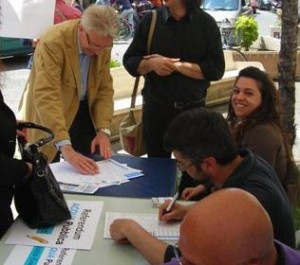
x: 92, y: 45
x: 95, y: 46
x: 183, y: 167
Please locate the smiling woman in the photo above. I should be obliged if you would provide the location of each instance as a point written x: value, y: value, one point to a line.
x: 246, y: 97
x: 255, y: 116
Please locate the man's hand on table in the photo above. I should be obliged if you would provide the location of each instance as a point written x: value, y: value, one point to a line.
x: 120, y: 227
x: 102, y: 141
x: 82, y: 163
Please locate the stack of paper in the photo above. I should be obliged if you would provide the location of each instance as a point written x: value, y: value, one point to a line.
x: 111, y: 173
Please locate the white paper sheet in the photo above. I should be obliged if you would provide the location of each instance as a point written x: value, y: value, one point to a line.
x: 82, y: 188
x: 40, y: 256
x: 76, y: 233
x: 26, y: 18
x: 149, y: 222
x: 111, y: 173
x: 158, y: 201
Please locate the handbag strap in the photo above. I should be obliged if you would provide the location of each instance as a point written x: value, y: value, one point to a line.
x: 31, y: 125
x: 151, y: 30
x: 149, y: 40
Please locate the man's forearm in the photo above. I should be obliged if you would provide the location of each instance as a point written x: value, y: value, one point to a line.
x: 144, y: 67
x: 189, y: 69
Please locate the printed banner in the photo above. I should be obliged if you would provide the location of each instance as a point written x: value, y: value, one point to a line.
x: 24, y: 255
x: 25, y: 18
x: 76, y: 233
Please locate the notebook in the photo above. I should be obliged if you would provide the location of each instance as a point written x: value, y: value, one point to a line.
x: 148, y: 221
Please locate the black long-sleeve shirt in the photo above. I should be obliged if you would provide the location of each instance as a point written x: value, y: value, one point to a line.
x: 195, y: 39
x: 12, y: 171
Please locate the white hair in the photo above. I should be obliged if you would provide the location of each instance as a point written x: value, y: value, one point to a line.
x: 102, y: 19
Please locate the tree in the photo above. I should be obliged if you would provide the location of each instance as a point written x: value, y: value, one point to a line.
x: 287, y: 64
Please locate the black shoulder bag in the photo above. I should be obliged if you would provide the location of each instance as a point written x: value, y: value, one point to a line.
x: 39, y: 199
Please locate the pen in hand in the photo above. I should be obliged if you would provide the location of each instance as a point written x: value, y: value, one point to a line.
x: 171, y: 204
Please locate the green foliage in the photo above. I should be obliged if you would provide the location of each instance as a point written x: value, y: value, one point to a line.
x: 246, y: 31
x: 114, y: 63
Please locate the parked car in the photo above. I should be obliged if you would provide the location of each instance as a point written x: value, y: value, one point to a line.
x: 222, y: 10
x: 226, y: 12
x: 276, y: 4
x: 264, y: 4
x: 13, y: 47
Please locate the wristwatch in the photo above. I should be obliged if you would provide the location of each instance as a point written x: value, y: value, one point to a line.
x: 105, y: 131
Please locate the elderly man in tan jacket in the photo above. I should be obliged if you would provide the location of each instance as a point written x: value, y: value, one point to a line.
x: 70, y: 87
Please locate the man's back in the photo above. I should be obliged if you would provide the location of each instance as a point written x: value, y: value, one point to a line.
x: 257, y: 177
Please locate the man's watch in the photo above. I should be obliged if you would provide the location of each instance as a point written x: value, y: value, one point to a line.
x: 105, y: 131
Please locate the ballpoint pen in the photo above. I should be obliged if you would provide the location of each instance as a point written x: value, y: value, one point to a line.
x: 171, y: 204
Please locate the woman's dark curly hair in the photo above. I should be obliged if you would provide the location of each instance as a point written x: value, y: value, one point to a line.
x: 269, y: 111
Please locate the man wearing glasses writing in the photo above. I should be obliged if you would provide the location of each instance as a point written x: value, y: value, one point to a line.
x: 203, y: 145
x: 70, y: 87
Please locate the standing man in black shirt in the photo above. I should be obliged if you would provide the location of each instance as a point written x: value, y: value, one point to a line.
x: 185, y: 55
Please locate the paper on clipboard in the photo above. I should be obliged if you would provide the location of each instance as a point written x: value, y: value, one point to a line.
x: 148, y: 221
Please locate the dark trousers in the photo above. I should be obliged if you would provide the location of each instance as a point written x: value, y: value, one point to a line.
x: 155, y: 123
x: 6, y: 219
x: 82, y: 131
x: 156, y: 119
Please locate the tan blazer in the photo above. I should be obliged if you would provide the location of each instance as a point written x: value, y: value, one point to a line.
x: 51, y: 95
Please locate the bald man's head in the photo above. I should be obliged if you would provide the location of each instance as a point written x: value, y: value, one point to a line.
x: 228, y: 227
